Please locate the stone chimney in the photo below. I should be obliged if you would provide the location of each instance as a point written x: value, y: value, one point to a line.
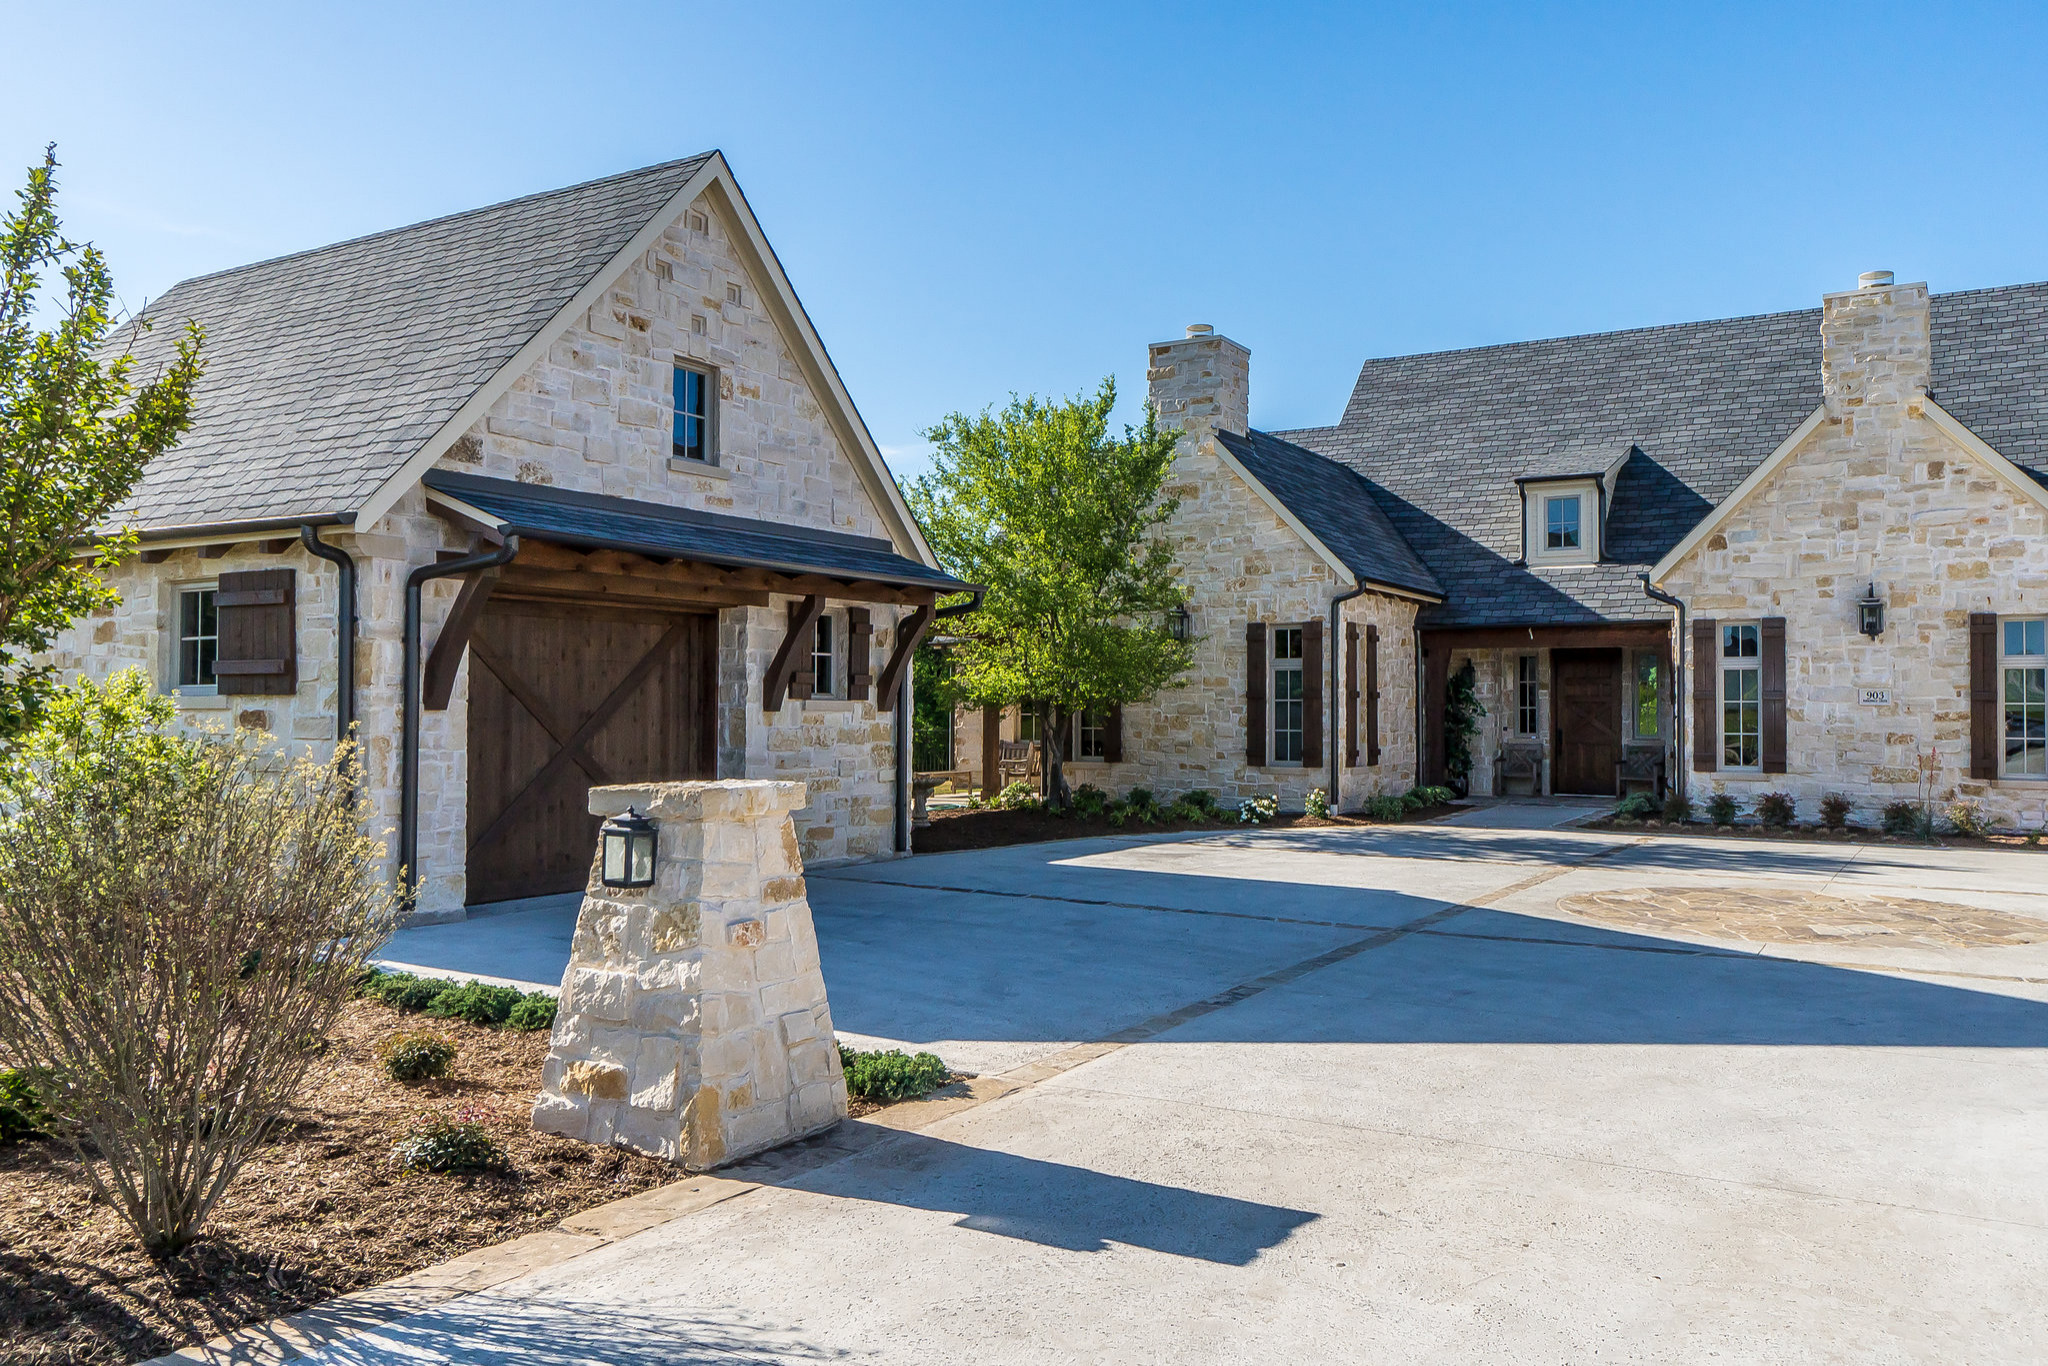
x: 1200, y: 383
x: 1874, y: 352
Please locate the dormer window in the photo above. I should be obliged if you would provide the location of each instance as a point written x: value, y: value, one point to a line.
x: 1561, y: 521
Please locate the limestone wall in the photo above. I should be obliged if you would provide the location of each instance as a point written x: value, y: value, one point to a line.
x: 1877, y: 494
x: 597, y: 413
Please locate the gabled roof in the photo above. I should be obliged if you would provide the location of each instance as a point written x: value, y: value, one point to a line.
x: 1336, y: 508
x: 327, y: 369
x: 336, y: 377
x: 599, y: 522
x: 1440, y: 438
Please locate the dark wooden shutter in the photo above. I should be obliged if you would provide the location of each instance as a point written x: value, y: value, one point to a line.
x: 1372, y: 696
x: 1255, y: 693
x: 1983, y: 695
x: 1350, y: 695
x: 259, y: 647
x: 1113, y: 735
x: 1706, y: 719
x: 1771, y: 647
x: 803, y: 680
x: 860, y: 632
x: 1312, y: 693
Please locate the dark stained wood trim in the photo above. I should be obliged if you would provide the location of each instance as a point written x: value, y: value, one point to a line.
x: 157, y: 556
x: 437, y: 680
x: 276, y: 546
x: 537, y: 708
x: 783, y: 669
x: 1706, y: 706
x: 909, y: 632
x: 1593, y: 637
x: 627, y: 589
x: 1984, y: 705
x: 214, y: 552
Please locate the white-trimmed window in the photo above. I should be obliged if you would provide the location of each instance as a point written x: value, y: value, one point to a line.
x: 1287, y: 695
x: 198, y: 638
x: 1561, y: 522
x: 1094, y: 735
x: 1741, y: 685
x: 1027, y: 721
x: 2023, y: 674
x: 1526, y: 686
x: 822, y: 678
x: 1646, y: 696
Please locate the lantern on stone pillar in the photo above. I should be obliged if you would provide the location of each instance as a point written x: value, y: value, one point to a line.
x: 628, y: 843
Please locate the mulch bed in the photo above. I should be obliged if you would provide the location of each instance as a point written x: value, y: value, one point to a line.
x: 990, y: 829
x: 1814, y: 834
x: 319, y: 1211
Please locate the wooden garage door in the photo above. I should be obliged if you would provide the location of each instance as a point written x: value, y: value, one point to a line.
x: 563, y: 697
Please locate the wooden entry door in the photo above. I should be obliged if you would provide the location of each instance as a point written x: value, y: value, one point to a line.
x: 564, y: 697
x: 1588, y: 727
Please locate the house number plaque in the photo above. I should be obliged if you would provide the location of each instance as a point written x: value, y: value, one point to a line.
x: 1874, y: 697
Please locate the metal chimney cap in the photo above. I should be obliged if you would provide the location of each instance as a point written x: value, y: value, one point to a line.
x: 1200, y: 330
x: 1874, y: 279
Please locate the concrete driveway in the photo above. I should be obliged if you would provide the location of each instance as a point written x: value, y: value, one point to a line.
x: 1421, y: 1094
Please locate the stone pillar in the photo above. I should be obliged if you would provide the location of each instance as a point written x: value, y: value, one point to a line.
x: 1875, y: 354
x: 1200, y: 383
x: 693, y: 1024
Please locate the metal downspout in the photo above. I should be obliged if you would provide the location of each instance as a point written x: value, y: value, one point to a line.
x: 344, y: 627
x: 1337, y: 736
x: 1679, y: 781
x: 409, y: 732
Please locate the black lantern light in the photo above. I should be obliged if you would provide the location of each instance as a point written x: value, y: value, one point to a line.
x: 628, y: 842
x: 1179, y: 624
x: 1870, y: 614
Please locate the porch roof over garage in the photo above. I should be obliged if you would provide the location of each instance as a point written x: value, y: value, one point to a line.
x: 599, y: 522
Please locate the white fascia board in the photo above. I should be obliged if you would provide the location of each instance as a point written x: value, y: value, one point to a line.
x: 2008, y: 473
x: 468, y: 511
x: 480, y: 403
x: 1727, y: 506
x: 1285, y: 514
x: 823, y: 377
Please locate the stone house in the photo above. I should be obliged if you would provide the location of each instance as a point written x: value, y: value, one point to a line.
x: 558, y: 492
x: 1804, y: 552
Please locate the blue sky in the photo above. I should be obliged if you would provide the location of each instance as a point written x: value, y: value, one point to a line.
x: 975, y: 200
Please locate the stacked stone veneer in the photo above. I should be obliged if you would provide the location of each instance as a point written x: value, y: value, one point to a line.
x: 693, y: 1024
x: 1241, y: 562
x: 1878, y: 493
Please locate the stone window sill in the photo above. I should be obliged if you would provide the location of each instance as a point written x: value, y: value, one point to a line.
x: 701, y: 469
x: 200, y: 701
x: 828, y: 704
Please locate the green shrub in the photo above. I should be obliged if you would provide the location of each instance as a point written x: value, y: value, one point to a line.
x: 476, y: 1003
x: 403, y: 991
x: 449, y: 1143
x: 1677, y: 808
x: 1967, y: 815
x: 1776, y: 810
x: 1203, y: 801
x: 1834, y: 810
x: 1722, y: 809
x: 1432, y: 796
x: 21, y: 1111
x: 1142, y: 800
x: 1901, y: 817
x: 1090, y: 800
x: 891, y: 1074
x: 416, y: 1056
x: 535, y: 1011
x: 1386, y: 807
x: 1636, y: 806
x: 1016, y: 796
x: 1317, y: 804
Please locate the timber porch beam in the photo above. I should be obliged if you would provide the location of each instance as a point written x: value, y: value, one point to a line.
x: 626, y: 589
x: 1546, y: 637
x: 437, y: 680
x: 541, y: 555
x: 909, y: 631
x: 795, y: 651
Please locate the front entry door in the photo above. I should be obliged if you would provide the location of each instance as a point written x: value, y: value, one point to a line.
x: 1588, y: 730
x: 563, y: 697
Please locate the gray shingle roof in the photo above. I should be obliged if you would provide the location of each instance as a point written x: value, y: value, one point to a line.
x: 1335, y: 504
x: 1441, y: 438
x: 328, y: 369
x: 599, y: 521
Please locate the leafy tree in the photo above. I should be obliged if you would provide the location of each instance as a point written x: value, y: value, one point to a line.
x: 76, y: 430
x: 1461, y: 723
x: 1056, y: 518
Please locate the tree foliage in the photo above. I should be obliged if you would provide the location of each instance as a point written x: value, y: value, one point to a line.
x: 1057, y: 518
x: 76, y: 430
x: 180, y: 922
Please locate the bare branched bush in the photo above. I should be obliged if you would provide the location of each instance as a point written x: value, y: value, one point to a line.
x: 180, y: 924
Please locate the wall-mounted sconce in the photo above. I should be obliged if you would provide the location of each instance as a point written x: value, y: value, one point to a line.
x: 1179, y: 624
x: 1870, y: 614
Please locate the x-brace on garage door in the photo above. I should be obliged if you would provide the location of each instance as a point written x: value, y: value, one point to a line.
x: 563, y: 697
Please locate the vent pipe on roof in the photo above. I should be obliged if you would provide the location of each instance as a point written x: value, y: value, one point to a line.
x: 1874, y: 279
x: 1200, y: 330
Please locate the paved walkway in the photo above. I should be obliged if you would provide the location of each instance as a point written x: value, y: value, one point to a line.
x: 1348, y: 1095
